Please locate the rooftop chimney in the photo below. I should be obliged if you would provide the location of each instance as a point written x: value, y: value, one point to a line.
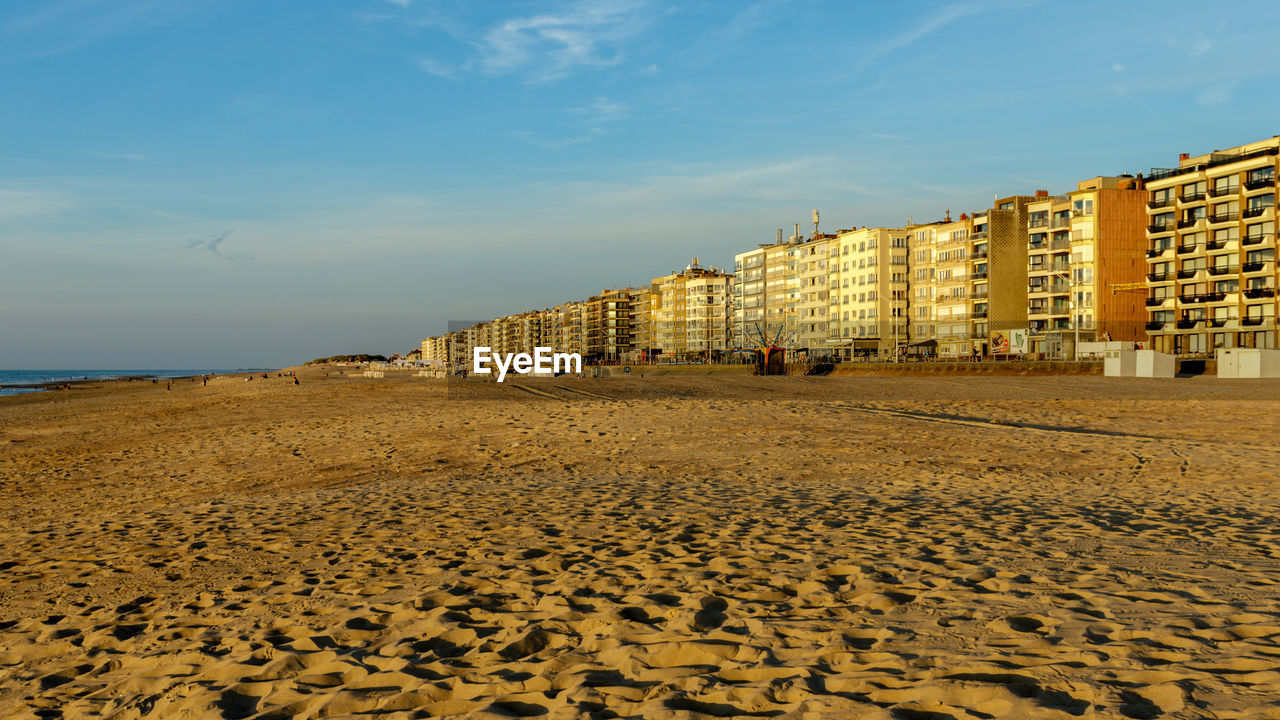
x: 1184, y: 156
x: 1042, y: 193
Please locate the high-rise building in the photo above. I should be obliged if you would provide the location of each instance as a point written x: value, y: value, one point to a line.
x: 691, y: 313
x: 607, y: 325
x: 868, y: 282
x: 1211, y: 254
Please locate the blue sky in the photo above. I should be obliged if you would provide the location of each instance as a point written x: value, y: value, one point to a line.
x: 188, y: 183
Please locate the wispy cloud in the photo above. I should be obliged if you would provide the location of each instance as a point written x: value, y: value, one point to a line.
x: 538, y: 141
x: 1217, y: 93
x: 21, y: 203
x: 64, y: 26
x: 437, y: 68
x: 213, y: 245
x: 929, y: 25
x: 550, y: 46
x: 599, y: 113
x: 120, y: 156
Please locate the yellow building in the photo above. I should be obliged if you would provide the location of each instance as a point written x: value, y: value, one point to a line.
x: 1211, y: 257
x: 691, y: 313
x: 868, y: 284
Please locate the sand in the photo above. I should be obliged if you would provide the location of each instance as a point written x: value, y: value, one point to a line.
x: 921, y: 548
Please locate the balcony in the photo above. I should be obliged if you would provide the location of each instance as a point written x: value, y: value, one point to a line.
x: 1151, y: 326
x: 1188, y: 249
x: 1188, y: 324
x: 1260, y: 183
x: 1185, y: 223
x: 1218, y: 244
x: 1158, y: 204
x: 1191, y: 299
x: 978, y: 276
x: 1156, y: 302
x: 1220, y: 322
x: 1159, y: 277
x: 1254, y: 320
x: 978, y: 256
x: 978, y: 235
x: 1256, y: 211
x: 1215, y: 297
x: 1060, y: 223
x: 1059, y: 289
x: 1222, y: 191
x: 1224, y: 217
x: 1253, y: 267
x: 1187, y: 274
x: 1161, y: 228
x: 1157, y: 252
x: 1038, y: 223
x: 1035, y: 289
x: 1262, y: 292
x: 1224, y: 269
x: 1060, y: 244
x: 1255, y: 239
x: 1192, y: 198
x: 979, y: 315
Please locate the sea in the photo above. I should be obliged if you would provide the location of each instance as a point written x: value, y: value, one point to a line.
x: 13, y: 382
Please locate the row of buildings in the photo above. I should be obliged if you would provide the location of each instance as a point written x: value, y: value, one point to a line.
x: 683, y: 315
x: 1182, y: 260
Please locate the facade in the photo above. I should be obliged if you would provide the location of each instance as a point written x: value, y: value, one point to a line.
x: 954, y: 298
x: 922, y: 308
x: 1211, y: 253
x: 808, y: 299
x: 607, y: 325
x: 691, y: 313
x: 760, y: 294
x: 868, y: 283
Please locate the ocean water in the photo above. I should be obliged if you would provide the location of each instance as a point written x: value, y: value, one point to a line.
x: 13, y: 382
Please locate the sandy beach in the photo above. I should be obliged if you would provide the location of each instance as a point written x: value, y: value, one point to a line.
x: 926, y: 548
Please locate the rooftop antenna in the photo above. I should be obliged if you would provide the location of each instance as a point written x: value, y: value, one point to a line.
x: 779, y: 236
x: 796, y: 236
x: 815, y: 222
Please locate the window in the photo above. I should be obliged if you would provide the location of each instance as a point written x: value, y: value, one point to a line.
x: 1083, y: 206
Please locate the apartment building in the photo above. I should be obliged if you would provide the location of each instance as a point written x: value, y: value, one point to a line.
x: 692, y: 313
x: 643, y: 340
x: 1003, y: 252
x: 1049, y: 274
x: 607, y: 325
x: 564, y: 332
x: 760, y: 293
x: 868, y: 282
x: 808, y: 300
x: 922, y: 308
x: 959, y: 328
x: 1211, y: 254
